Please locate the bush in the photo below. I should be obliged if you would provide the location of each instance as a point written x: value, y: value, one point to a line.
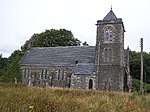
x: 136, y: 84
x: 147, y: 88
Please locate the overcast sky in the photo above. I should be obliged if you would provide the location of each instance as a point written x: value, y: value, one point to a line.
x: 20, y: 19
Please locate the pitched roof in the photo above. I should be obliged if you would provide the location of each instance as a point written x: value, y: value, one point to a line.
x: 110, y: 16
x: 58, y: 56
x: 87, y: 68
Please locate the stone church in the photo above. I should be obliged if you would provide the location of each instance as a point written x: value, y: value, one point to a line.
x: 101, y: 67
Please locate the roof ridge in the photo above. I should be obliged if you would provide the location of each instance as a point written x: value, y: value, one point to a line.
x: 61, y: 47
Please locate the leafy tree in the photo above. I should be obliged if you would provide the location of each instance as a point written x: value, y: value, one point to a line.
x: 135, y: 65
x: 13, y: 68
x: 3, y: 63
x: 52, y: 38
x: 10, y: 68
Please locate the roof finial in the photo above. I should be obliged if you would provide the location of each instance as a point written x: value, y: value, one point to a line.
x: 111, y: 7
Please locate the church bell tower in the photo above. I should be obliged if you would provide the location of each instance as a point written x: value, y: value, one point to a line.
x: 110, y: 53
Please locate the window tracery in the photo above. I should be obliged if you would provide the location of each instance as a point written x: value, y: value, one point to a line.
x: 108, y: 35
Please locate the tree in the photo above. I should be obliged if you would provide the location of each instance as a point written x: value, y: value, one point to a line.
x: 3, y: 63
x: 13, y: 68
x: 135, y: 64
x: 10, y: 68
x: 52, y: 38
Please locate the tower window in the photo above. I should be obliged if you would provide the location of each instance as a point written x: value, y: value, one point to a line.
x: 108, y: 35
x: 105, y: 54
x: 108, y: 55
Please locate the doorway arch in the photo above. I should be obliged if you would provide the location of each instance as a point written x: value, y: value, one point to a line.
x: 90, y: 84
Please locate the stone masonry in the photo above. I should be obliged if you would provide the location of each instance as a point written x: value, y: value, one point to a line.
x: 101, y: 67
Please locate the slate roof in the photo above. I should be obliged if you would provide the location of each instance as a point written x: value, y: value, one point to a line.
x: 110, y: 16
x: 59, y: 56
x: 87, y: 68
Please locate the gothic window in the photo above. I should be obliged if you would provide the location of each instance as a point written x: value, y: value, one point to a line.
x: 58, y: 74
x: 28, y: 75
x: 62, y: 75
x: 42, y: 73
x: 25, y: 73
x: 108, y: 35
x: 105, y: 54
x: 46, y: 73
x: 108, y: 55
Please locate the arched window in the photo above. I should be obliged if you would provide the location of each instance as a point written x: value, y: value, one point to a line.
x: 42, y: 73
x: 62, y: 75
x: 46, y: 73
x: 108, y: 35
x: 25, y: 73
x: 28, y: 76
x: 58, y: 74
x: 110, y: 54
x: 107, y: 55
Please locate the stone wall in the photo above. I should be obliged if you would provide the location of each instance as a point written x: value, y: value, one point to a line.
x: 111, y: 78
x: 110, y: 73
x: 47, y: 76
x: 82, y: 81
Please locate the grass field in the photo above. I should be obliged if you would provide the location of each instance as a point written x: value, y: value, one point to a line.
x: 19, y: 98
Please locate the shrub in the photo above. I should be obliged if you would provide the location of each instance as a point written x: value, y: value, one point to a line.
x: 136, y: 84
x: 147, y: 88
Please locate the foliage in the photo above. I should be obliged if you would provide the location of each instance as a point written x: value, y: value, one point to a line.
x: 3, y: 62
x: 10, y: 68
x: 17, y: 98
x: 136, y: 84
x: 85, y: 44
x: 52, y: 38
x: 135, y: 65
x: 13, y: 67
x: 147, y: 88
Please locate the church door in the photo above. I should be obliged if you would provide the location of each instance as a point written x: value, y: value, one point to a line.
x: 90, y: 84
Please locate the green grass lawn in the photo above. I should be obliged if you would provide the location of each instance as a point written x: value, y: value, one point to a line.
x: 19, y: 98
